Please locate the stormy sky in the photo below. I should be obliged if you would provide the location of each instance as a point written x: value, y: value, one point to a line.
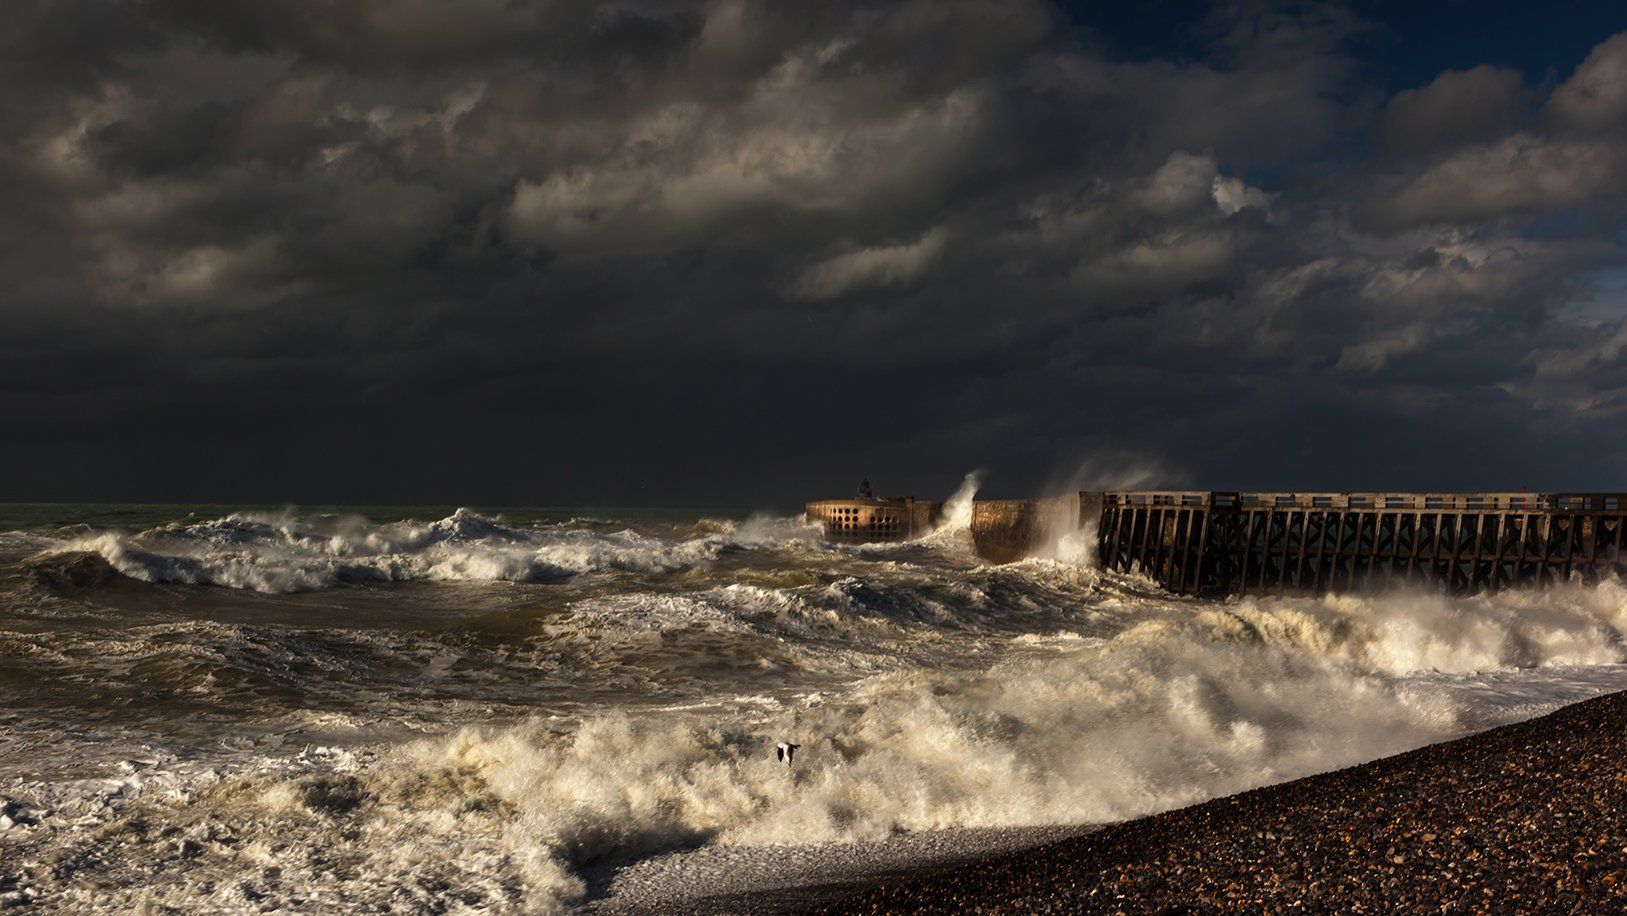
x: 743, y: 253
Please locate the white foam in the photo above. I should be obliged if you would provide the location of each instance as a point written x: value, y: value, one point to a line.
x: 280, y: 553
x: 1098, y: 730
x: 1039, y: 693
x: 957, y: 509
x: 1181, y: 707
x: 1414, y: 631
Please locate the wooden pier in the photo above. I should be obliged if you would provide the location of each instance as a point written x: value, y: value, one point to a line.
x: 1218, y: 543
x: 1214, y: 544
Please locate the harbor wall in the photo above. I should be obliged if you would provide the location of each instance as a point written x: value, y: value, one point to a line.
x: 1006, y: 530
x: 867, y: 520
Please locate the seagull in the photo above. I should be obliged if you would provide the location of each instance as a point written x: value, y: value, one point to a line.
x: 784, y: 751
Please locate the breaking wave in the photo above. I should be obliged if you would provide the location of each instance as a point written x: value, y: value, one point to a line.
x: 1117, y: 705
x: 1402, y: 632
x: 283, y: 553
x: 281, y: 742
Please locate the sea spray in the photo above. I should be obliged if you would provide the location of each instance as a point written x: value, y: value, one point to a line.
x: 278, y: 553
x: 957, y: 509
x: 473, y: 737
x: 1405, y: 631
x: 1168, y: 711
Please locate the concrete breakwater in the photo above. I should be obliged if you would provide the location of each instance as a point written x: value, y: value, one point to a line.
x: 1217, y: 543
x: 868, y: 518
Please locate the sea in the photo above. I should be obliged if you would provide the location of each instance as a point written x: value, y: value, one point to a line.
x: 458, y: 710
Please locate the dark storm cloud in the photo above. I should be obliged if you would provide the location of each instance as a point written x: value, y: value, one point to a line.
x: 1459, y: 106
x: 669, y: 252
x: 1573, y: 154
x: 412, y: 36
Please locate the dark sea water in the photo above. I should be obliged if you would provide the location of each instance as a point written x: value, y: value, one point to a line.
x: 235, y: 709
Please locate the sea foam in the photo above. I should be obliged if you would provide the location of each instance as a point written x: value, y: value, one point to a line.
x: 1170, y: 704
x: 280, y: 553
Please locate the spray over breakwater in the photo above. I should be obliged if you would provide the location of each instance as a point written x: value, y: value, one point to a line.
x: 321, y: 712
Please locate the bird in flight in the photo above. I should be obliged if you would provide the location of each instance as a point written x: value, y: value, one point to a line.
x: 784, y: 751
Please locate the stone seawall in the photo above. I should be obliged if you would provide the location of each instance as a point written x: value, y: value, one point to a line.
x: 1006, y: 530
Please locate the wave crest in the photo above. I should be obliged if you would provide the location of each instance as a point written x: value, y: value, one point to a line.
x: 1097, y: 731
x: 1403, y: 632
x: 282, y: 553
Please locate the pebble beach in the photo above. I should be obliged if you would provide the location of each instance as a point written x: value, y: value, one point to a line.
x: 1526, y: 818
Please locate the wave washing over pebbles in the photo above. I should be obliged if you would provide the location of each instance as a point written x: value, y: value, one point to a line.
x: 320, y: 712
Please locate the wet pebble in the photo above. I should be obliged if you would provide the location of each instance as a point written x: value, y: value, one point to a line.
x: 1523, y: 818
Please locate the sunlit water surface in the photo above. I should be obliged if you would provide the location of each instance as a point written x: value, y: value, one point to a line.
x: 209, y: 709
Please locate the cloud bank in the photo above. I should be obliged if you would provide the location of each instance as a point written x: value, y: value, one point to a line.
x: 734, y: 252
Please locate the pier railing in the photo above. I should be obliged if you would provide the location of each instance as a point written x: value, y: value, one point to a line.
x: 1467, y: 501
